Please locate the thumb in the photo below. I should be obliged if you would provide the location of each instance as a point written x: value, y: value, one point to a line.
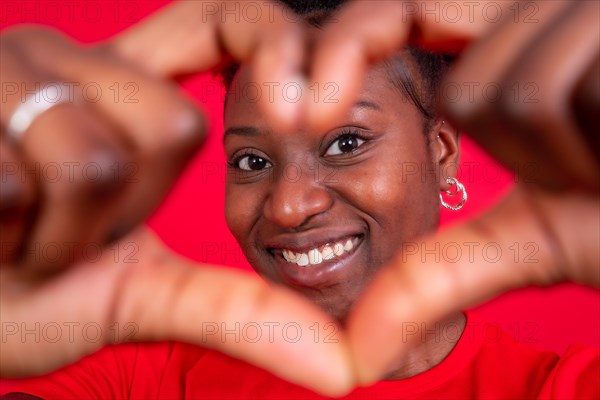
x: 237, y: 313
x: 527, y: 239
x: 160, y: 296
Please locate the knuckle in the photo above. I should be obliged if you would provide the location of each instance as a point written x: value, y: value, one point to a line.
x: 466, y: 109
x: 96, y: 178
x: 25, y: 34
x: 517, y: 104
x: 183, y: 131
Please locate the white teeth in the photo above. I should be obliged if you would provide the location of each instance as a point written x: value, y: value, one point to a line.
x: 338, y: 249
x: 348, y: 245
x: 327, y: 253
x: 288, y: 255
x: 315, y: 257
x: 303, y: 260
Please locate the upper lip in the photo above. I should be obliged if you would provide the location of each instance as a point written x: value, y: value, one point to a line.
x: 304, y: 241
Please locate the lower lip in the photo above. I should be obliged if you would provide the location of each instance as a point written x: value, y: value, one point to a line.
x: 326, y: 273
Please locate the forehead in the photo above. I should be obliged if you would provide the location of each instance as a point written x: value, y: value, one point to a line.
x: 244, y: 93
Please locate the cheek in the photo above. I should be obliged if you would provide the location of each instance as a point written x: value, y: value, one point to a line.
x: 243, y: 207
x: 401, y: 204
x: 386, y: 193
x: 241, y: 210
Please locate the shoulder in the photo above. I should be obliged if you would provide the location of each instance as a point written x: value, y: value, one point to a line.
x: 504, y: 362
x: 575, y: 375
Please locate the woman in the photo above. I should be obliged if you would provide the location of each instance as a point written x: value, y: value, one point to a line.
x: 326, y: 230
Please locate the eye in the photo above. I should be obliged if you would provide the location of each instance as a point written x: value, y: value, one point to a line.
x: 251, y: 162
x: 344, y: 144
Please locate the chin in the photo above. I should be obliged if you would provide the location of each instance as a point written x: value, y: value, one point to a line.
x: 336, y: 304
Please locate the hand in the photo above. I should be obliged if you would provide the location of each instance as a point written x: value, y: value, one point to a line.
x: 381, y: 300
x: 147, y: 293
x: 555, y: 206
x: 138, y: 145
x: 154, y: 293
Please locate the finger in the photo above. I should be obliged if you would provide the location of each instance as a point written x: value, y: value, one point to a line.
x: 478, y: 113
x: 16, y: 203
x: 531, y: 82
x: 162, y: 129
x: 18, y: 195
x: 163, y: 297
x: 59, y: 149
x: 550, y: 119
x: 75, y: 158
x: 276, y: 329
x: 586, y: 105
x: 192, y: 36
x: 366, y: 32
x: 514, y: 245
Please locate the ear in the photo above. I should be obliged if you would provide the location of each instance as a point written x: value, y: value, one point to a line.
x: 446, y: 151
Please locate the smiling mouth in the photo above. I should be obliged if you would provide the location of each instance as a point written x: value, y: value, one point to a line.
x: 328, y: 252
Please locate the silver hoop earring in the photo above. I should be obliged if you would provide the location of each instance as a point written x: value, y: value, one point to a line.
x: 458, y: 188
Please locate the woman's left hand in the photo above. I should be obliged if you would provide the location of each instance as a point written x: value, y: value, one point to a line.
x: 59, y: 302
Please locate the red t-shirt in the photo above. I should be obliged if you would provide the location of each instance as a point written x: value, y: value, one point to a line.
x: 486, y: 363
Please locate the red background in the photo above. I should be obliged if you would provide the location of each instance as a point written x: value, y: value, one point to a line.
x: 191, y: 218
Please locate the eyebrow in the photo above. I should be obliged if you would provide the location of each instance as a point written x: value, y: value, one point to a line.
x: 367, y: 104
x: 241, y: 131
x: 251, y: 131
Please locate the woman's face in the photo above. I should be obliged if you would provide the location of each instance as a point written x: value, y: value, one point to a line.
x: 320, y: 212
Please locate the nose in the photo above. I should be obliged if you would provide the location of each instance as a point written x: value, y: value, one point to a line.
x: 295, y: 198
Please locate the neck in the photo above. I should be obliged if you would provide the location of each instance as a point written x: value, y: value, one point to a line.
x: 432, y: 344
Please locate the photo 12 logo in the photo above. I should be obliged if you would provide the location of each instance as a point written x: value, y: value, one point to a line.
x: 70, y: 11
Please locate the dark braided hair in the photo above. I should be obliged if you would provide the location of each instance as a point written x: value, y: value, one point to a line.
x: 429, y: 67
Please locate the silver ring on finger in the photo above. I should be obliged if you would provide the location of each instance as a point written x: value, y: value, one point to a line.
x: 50, y: 95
